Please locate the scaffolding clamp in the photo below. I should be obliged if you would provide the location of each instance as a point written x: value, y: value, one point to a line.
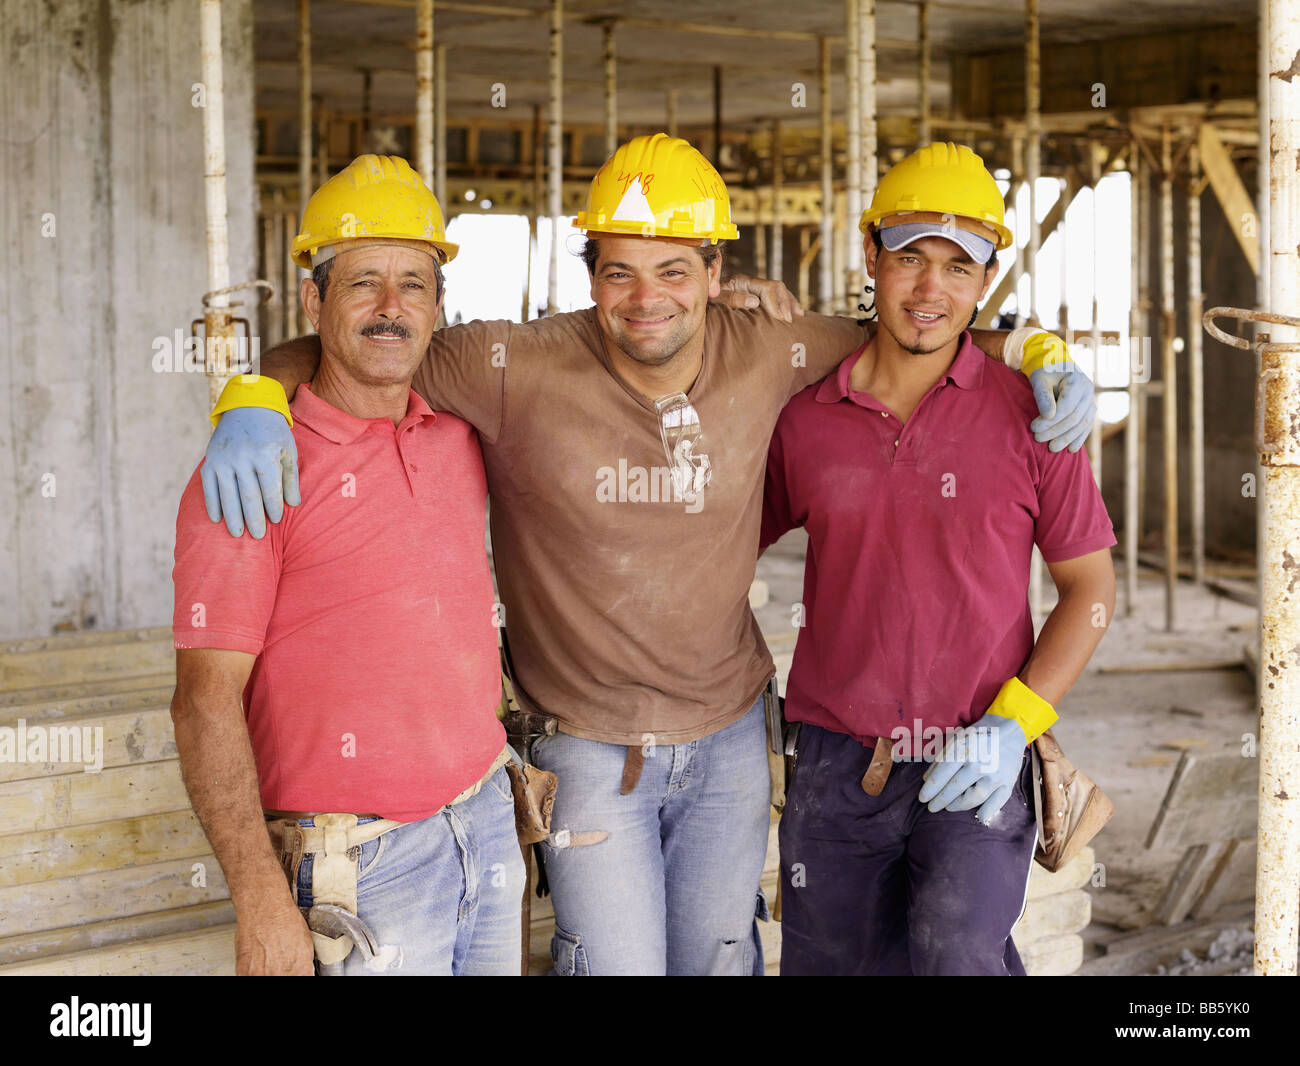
x: 1277, y: 389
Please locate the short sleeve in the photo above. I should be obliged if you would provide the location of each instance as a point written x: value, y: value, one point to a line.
x: 224, y: 586
x: 777, y: 518
x: 827, y: 340
x: 465, y: 373
x: 1072, y: 519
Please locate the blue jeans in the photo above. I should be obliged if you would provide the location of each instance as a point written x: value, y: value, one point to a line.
x: 443, y: 892
x: 674, y: 888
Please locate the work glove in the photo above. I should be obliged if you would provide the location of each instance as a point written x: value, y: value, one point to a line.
x: 1067, y: 402
x: 980, y: 763
x: 251, y: 464
x: 978, y: 768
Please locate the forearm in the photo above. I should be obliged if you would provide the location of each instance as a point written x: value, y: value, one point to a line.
x: 988, y: 341
x: 292, y: 362
x: 221, y: 777
x: 1068, y: 638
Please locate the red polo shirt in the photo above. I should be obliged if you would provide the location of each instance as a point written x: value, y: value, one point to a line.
x: 916, y: 584
x: 370, y: 610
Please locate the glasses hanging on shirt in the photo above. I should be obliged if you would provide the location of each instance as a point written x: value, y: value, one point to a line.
x: 679, y: 429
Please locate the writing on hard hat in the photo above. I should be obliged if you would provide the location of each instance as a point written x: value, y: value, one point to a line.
x: 944, y: 179
x: 658, y: 186
x: 374, y: 199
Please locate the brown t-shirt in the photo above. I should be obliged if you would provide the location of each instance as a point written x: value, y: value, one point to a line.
x: 628, y: 612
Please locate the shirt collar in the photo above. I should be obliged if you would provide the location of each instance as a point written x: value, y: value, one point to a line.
x: 342, y: 428
x: 966, y: 371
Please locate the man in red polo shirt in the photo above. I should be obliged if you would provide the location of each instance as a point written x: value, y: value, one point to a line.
x: 337, y: 681
x: 923, y: 493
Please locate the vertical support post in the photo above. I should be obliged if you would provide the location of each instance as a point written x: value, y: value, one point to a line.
x: 611, y: 93
x: 218, y: 326
x: 778, y: 235
x: 760, y: 249
x: 1169, y: 368
x: 554, y: 142
x: 1033, y: 149
x: 304, y: 135
x: 367, y: 107
x: 853, y: 128
x: 1094, y: 438
x: 1195, y: 361
x: 424, y: 89
x: 923, y: 35
x: 1136, y: 404
x: 1263, y: 278
x: 825, y: 296
x: 670, y: 107
x: 1017, y: 264
x: 440, y: 126
x: 534, y: 208
x: 867, y: 175
x: 717, y: 117
x: 1277, y: 870
x: 322, y: 143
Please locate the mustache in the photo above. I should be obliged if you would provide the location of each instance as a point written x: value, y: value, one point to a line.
x: 390, y: 329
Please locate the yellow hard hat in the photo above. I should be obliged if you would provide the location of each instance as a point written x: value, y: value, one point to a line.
x: 374, y: 196
x: 658, y: 186
x: 945, y: 178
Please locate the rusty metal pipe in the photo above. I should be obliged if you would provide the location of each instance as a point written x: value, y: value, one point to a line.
x: 555, y: 138
x: 611, y: 92
x: 778, y: 182
x: 1033, y: 150
x: 1195, y: 363
x: 304, y: 136
x: 440, y: 127
x: 853, y: 130
x: 923, y: 37
x: 424, y: 89
x: 218, y: 325
x: 825, y: 255
x: 1133, y: 431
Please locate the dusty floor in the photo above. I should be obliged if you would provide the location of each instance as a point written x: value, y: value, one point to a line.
x: 1127, y: 730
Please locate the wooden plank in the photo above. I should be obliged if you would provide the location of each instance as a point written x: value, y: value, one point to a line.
x: 108, y: 894
x: 98, y: 661
x: 27, y: 858
x: 77, y: 690
x: 1142, y: 950
x: 1210, y: 797
x: 1184, y: 888
x: 53, y: 942
x: 124, y: 739
x: 1052, y: 956
x: 1173, y: 666
x: 82, y: 798
x: 207, y: 953
x: 1231, y: 193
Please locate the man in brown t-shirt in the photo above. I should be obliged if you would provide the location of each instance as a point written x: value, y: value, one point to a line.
x: 625, y: 588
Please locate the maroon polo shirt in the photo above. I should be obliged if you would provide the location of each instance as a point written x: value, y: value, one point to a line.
x: 919, y: 539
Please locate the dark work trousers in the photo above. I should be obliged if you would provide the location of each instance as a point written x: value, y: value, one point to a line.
x: 876, y: 885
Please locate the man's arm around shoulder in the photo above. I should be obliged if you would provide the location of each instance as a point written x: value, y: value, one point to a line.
x: 220, y: 774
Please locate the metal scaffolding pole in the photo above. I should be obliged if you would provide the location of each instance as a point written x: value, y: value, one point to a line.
x: 778, y: 235
x: 1277, y: 888
x: 717, y: 117
x: 218, y: 325
x: 611, y: 92
x: 1195, y: 362
x: 304, y: 136
x: 1169, y: 371
x: 534, y: 210
x: 867, y: 89
x: 1133, y: 431
x: 424, y: 89
x: 670, y: 107
x: 1145, y: 242
x: 853, y: 129
x: 440, y: 126
x: 1033, y: 149
x: 1094, y: 438
x: 555, y: 139
x: 825, y: 255
x: 322, y: 143
x: 923, y: 35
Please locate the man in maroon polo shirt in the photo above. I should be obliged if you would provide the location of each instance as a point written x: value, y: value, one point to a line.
x: 923, y: 494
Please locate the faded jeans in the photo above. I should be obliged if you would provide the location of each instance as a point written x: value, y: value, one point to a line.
x: 444, y: 893
x: 674, y: 889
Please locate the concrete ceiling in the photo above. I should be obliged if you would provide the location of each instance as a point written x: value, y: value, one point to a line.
x: 484, y: 49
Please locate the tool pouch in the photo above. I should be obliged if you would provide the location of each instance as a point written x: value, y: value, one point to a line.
x: 1069, y: 807
x: 534, y: 795
x: 774, y: 711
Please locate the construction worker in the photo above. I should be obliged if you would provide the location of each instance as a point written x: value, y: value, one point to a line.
x: 624, y: 447
x: 366, y: 761
x: 908, y: 830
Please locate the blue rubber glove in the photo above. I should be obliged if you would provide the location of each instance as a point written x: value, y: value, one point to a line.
x: 1067, y: 406
x: 251, y: 464
x: 978, y: 768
